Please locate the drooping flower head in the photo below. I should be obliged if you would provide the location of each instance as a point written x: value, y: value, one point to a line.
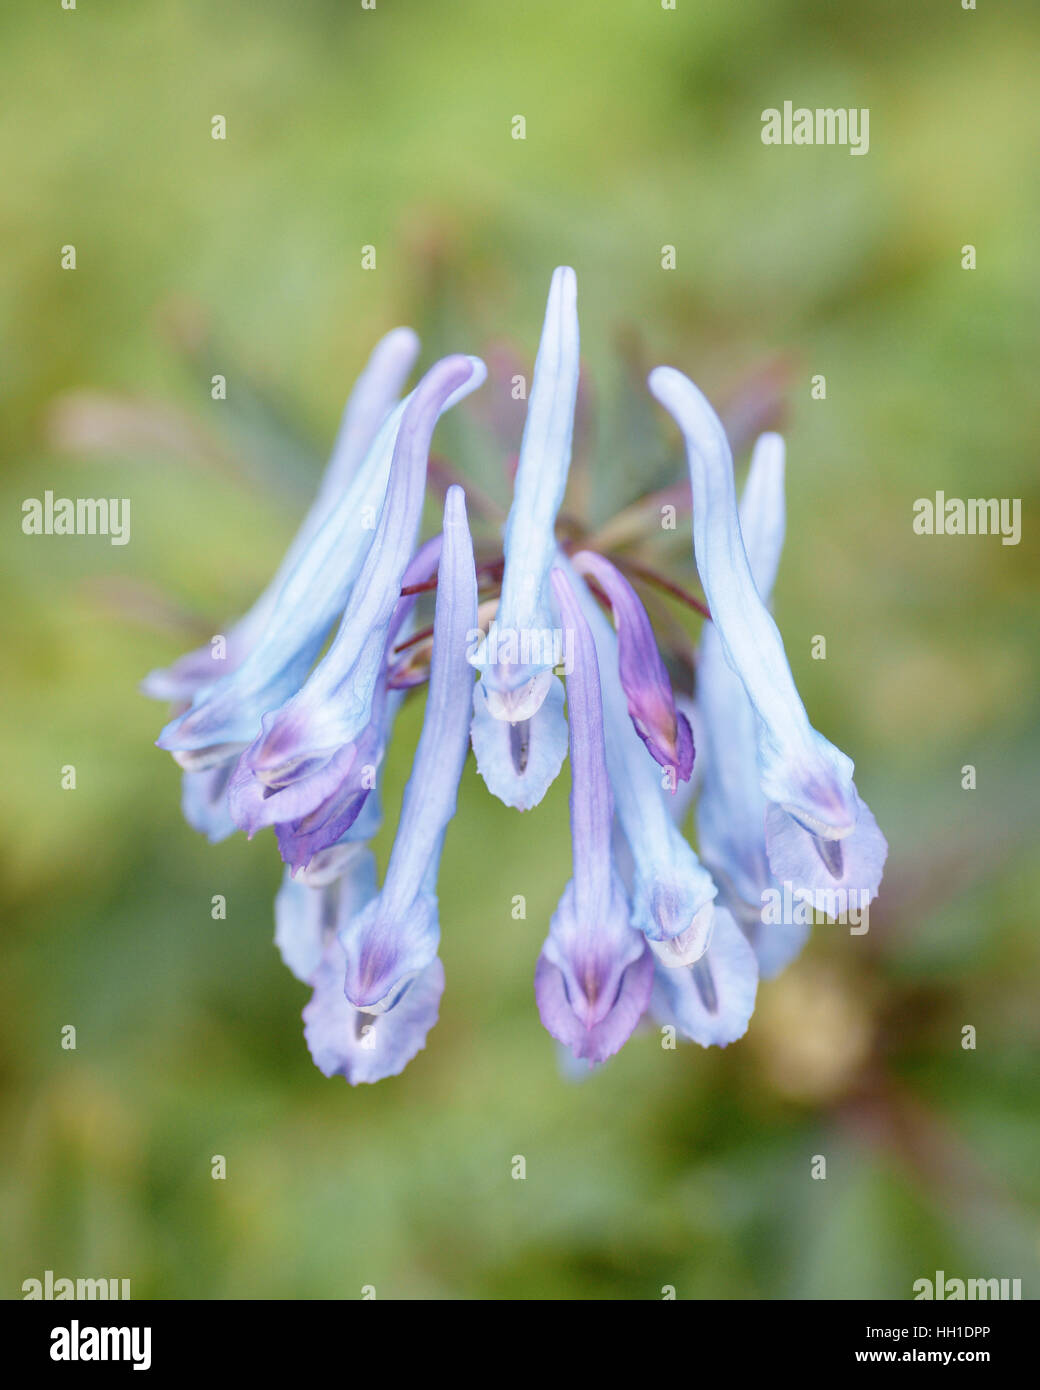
x: 292, y: 737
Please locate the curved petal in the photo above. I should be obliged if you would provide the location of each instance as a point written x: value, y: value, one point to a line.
x: 370, y: 402
x: 362, y: 1047
x: 519, y: 762
x: 204, y: 801
x: 731, y: 811
x: 800, y: 770
x: 306, y: 914
x: 850, y: 868
x: 335, y: 703
x: 648, y: 689
x: 672, y: 891
x: 713, y: 1000
x: 227, y: 714
x: 372, y: 399
x: 397, y: 935
x: 541, y: 478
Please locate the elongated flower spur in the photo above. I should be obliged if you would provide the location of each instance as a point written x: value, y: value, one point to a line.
x: 286, y: 724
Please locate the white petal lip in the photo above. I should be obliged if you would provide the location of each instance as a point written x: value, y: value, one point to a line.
x: 689, y: 945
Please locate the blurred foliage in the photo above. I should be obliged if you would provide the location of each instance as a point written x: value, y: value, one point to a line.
x: 391, y: 127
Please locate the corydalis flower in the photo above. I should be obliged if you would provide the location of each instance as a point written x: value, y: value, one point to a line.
x: 204, y: 799
x: 672, y: 892
x: 519, y: 730
x: 395, y: 937
x: 731, y: 809
x: 373, y: 397
x: 819, y: 834
x: 595, y: 972
x: 351, y: 774
x: 225, y: 718
x: 343, y: 1040
x: 294, y: 739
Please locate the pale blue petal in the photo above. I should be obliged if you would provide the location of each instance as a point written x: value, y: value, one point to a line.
x: 731, y: 812
x: 372, y: 399
x: 335, y: 703
x: 307, y: 912
x: 228, y: 713
x: 204, y: 801
x: 800, y: 770
x: 545, y: 456
x: 398, y: 934
x: 364, y: 1047
x: 712, y: 1001
x: 519, y: 762
x: 850, y: 867
x: 516, y: 686
x: 370, y: 402
x: 672, y: 892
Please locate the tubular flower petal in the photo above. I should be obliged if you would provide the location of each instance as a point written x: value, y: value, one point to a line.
x: 345, y: 1041
x: 595, y: 972
x: 315, y: 807
x: 335, y: 703
x: 648, y: 690
x: 519, y: 762
x: 395, y: 937
x: 800, y: 772
x: 226, y: 716
x: 731, y: 811
x: 517, y: 657
x: 712, y: 1000
x: 373, y: 397
x: 672, y: 892
x: 306, y: 914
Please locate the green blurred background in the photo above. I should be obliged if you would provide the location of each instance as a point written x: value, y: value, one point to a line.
x: 392, y: 127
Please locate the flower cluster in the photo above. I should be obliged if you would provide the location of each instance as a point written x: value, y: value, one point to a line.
x: 290, y: 727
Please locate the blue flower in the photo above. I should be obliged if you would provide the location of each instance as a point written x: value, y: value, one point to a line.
x: 595, y: 972
x: 820, y: 835
x: 731, y: 808
x: 343, y: 1040
x: 204, y: 799
x: 226, y: 716
x: 712, y: 1000
x: 672, y: 893
x: 395, y: 937
x: 519, y: 729
x: 295, y: 739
